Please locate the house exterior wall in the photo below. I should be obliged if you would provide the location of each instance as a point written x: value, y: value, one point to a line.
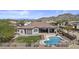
x: 35, y: 31
x: 77, y: 26
x: 22, y: 31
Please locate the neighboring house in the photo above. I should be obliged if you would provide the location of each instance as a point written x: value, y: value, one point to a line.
x: 75, y: 24
x: 63, y: 24
x: 34, y: 28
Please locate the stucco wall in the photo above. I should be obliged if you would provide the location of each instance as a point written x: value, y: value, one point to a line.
x: 23, y: 33
x: 19, y: 32
x: 77, y: 26
x: 35, y: 32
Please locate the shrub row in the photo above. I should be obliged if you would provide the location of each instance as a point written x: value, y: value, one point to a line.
x: 71, y: 37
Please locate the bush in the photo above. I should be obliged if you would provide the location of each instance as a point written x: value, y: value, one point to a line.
x: 67, y: 35
x: 6, y: 31
x: 68, y: 28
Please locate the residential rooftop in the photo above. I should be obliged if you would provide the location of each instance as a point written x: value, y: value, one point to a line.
x: 37, y: 25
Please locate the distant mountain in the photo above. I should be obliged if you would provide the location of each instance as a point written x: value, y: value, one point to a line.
x: 47, y: 18
x: 61, y: 17
x: 66, y: 16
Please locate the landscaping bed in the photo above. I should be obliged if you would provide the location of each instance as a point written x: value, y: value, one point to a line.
x: 71, y: 37
x: 28, y: 41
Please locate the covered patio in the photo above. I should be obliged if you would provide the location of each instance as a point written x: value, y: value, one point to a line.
x: 46, y: 30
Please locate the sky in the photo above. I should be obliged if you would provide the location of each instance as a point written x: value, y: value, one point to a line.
x: 32, y: 14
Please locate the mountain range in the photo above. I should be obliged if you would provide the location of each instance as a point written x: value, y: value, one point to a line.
x: 66, y: 16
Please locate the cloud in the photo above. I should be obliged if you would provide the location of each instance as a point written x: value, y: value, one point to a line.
x: 14, y: 13
x: 58, y: 12
x: 69, y: 11
x: 65, y: 11
x: 22, y: 13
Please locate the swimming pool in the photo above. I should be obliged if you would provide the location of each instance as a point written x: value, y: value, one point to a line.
x: 53, y: 40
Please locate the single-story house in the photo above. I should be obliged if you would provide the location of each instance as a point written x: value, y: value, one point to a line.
x: 75, y: 24
x: 34, y: 28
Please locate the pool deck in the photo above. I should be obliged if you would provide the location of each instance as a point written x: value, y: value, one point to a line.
x: 64, y: 42
x: 46, y: 36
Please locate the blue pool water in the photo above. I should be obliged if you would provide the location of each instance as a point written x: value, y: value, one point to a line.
x: 53, y: 40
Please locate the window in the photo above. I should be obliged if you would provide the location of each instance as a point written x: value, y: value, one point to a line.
x: 29, y: 31
x: 35, y: 30
x: 18, y: 30
x: 21, y: 31
x: 25, y: 31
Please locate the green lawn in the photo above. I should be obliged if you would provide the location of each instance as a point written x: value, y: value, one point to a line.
x: 28, y: 39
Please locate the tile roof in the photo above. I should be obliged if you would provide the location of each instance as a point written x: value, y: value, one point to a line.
x: 37, y: 25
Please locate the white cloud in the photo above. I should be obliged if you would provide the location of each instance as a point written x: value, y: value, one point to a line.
x: 22, y: 13
x: 14, y: 13
x: 66, y: 11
